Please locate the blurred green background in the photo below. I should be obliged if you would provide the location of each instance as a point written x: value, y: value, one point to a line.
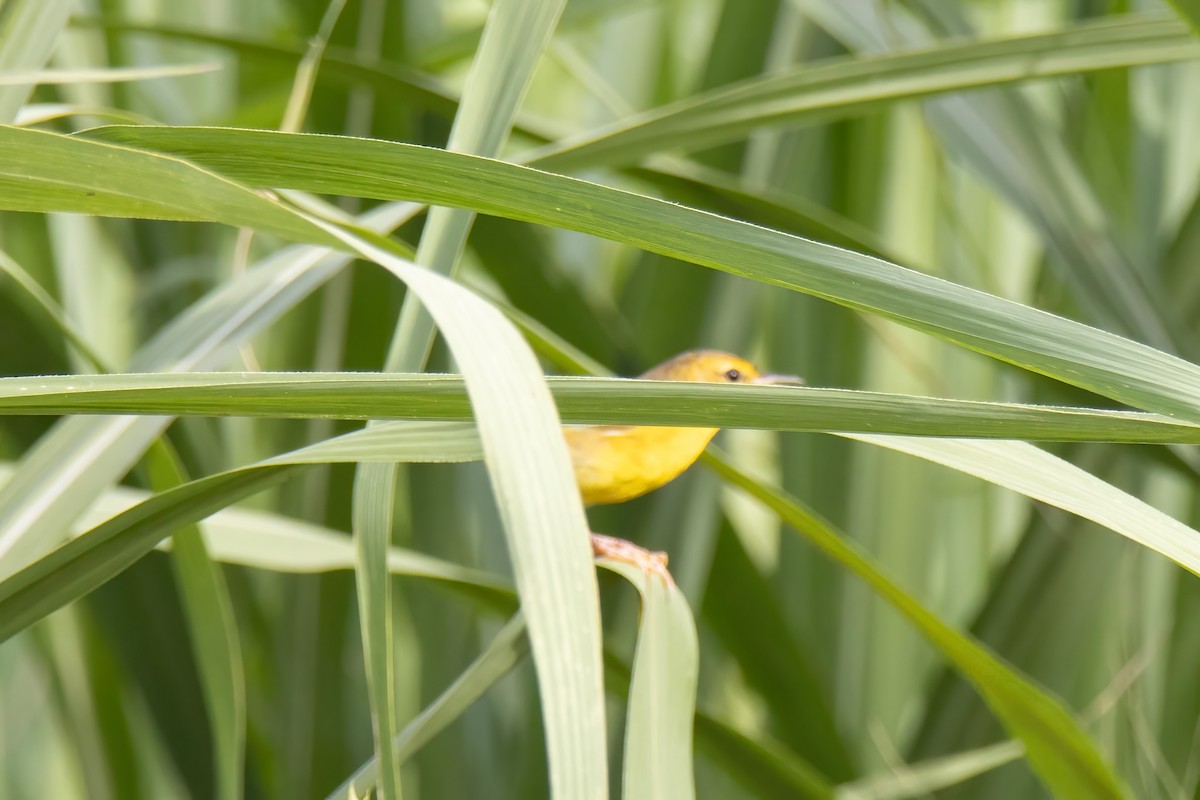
x: 1076, y: 194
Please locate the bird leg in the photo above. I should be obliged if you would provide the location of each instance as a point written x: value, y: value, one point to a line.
x: 621, y: 550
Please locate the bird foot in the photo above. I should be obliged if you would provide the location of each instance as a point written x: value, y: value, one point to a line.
x: 653, y: 563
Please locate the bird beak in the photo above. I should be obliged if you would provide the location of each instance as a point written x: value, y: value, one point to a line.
x: 771, y: 378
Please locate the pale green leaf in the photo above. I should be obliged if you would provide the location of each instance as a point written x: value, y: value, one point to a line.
x: 662, y: 695
x: 1044, y: 477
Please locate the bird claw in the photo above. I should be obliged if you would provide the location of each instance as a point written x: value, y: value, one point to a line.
x: 650, y: 562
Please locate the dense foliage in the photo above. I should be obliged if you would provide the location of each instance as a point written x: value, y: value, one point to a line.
x: 960, y: 563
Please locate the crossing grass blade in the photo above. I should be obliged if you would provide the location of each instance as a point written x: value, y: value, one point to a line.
x: 1092, y: 359
x: 361, y: 395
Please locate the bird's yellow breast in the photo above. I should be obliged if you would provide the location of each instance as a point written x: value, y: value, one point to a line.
x: 618, y: 463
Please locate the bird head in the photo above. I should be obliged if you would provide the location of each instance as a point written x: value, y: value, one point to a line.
x: 714, y: 366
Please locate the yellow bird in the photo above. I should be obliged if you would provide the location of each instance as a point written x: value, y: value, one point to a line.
x: 615, y: 463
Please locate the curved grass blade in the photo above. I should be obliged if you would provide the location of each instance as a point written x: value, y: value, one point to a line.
x: 539, y: 504
x: 73, y: 463
x: 514, y: 37
x: 1047, y: 478
x: 1058, y: 751
x: 83, y: 564
x: 1085, y: 330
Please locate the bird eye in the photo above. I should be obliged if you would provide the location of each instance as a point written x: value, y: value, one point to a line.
x: 733, y: 375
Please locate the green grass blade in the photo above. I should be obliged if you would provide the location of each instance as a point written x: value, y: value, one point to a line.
x: 372, y: 516
x: 819, y: 92
x: 69, y: 178
x: 1057, y: 749
x: 1001, y: 136
x: 1069, y: 351
x: 909, y: 133
x: 306, y: 72
x: 1018, y: 466
x: 207, y: 607
x: 729, y: 196
x: 360, y: 395
x: 1045, y: 477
